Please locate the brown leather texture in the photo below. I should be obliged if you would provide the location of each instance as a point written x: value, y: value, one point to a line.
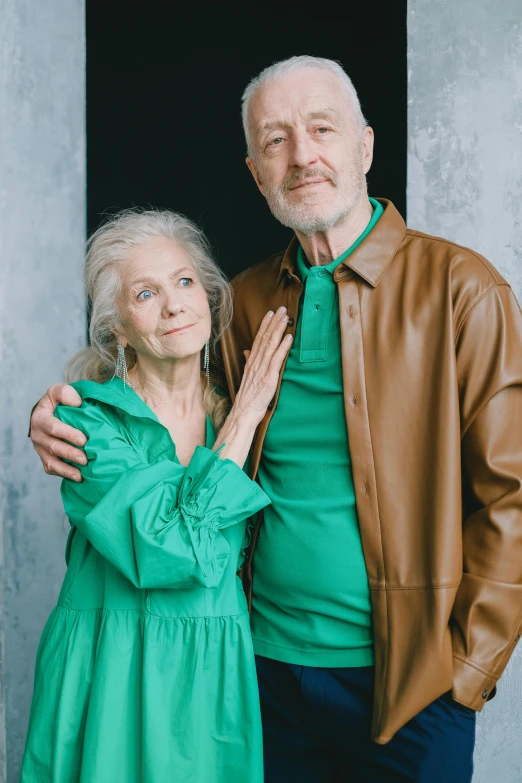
x: 432, y: 368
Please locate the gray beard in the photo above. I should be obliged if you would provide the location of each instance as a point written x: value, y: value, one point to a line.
x: 301, y: 217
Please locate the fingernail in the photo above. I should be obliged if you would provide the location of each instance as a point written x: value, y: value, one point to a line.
x: 281, y: 310
x: 80, y: 441
x: 270, y: 313
x: 289, y: 337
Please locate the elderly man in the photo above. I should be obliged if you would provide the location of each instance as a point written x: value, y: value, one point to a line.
x: 386, y: 578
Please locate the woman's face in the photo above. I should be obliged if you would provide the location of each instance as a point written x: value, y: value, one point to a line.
x: 163, y: 306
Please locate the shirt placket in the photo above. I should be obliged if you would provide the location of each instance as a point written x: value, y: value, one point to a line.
x: 316, y: 316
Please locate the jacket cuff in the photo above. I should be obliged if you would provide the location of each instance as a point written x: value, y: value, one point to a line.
x: 472, y: 686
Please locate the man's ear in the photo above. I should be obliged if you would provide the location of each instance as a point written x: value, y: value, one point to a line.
x: 367, y: 145
x: 255, y: 173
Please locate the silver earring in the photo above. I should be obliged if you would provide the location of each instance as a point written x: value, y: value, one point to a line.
x: 121, y: 368
x: 206, y: 364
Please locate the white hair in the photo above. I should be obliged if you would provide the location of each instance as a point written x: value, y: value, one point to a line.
x: 299, y: 63
x: 107, y: 250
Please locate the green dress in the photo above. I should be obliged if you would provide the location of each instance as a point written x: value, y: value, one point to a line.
x: 145, y: 670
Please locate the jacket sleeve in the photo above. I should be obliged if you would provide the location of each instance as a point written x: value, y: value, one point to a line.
x: 487, y: 614
x: 159, y: 524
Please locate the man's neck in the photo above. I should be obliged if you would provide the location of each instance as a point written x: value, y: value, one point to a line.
x: 323, y: 247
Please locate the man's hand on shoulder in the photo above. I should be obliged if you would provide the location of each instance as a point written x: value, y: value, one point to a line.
x: 48, y: 433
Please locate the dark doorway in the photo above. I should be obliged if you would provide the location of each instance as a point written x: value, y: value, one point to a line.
x: 163, y: 109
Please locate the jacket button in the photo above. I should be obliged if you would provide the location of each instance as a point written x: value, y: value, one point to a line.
x: 290, y: 322
x: 484, y: 694
x: 270, y: 405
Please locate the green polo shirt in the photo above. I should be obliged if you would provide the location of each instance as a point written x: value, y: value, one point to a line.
x: 311, y: 600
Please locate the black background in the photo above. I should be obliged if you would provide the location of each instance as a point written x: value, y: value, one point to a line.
x: 164, y: 84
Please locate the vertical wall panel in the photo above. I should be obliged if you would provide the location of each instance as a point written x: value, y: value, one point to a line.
x: 42, y: 315
x: 465, y: 183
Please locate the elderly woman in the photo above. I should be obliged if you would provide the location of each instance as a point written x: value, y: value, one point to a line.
x: 145, y: 671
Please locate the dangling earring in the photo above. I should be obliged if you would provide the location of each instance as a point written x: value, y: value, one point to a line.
x: 121, y: 368
x: 206, y: 364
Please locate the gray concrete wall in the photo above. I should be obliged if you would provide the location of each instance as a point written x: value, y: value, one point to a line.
x: 465, y: 183
x: 42, y: 315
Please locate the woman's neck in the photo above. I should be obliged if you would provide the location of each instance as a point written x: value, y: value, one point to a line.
x: 171, y: 388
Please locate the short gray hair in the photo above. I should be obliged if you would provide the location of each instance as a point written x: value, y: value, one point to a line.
x: 107, y: 248
x: 299, y: 63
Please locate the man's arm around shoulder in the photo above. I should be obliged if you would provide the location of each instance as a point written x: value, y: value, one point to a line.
x: 49, y: 435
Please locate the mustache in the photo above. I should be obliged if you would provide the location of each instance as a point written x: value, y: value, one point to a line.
x: 300, y: 176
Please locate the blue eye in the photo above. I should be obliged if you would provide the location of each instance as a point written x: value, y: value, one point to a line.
x: 145, y: 295
x: 185, y: 281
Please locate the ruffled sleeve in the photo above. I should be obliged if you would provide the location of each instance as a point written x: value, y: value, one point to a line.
x: 160, y: 524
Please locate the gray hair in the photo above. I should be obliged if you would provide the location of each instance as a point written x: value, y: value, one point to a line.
x: 107, y: 249
x: 300, y: 63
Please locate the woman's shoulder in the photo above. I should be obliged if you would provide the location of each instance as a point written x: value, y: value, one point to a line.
x: 112, y: 411
x: 95, y: 408
x: 112, y: 391
x: 101, y: 403
x: 111, y: 396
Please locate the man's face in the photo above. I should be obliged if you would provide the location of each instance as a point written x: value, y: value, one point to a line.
x: 309, y: 158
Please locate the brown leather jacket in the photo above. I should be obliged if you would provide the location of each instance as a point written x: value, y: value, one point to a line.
x: 432, y: 368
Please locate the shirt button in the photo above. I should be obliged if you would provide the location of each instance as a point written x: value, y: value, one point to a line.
x: 290, y: 322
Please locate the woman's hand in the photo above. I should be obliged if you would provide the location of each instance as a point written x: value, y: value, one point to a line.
x: 263, y: 365
x: 48, y: 433
x: 258, y: 386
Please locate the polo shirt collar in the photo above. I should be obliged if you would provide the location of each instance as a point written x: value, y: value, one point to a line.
x: 373, y: 256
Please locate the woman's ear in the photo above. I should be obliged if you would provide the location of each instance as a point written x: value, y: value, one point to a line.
x: 120, y: 338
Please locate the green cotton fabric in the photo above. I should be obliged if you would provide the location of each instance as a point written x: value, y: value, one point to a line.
x: 311, y: 600
x: 145, y: 670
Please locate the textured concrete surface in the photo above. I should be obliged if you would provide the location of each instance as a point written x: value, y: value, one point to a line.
x: 42, y: 314
x: 465, y: 183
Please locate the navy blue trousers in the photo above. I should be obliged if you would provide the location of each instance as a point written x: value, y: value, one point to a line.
x: 316, y: 729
